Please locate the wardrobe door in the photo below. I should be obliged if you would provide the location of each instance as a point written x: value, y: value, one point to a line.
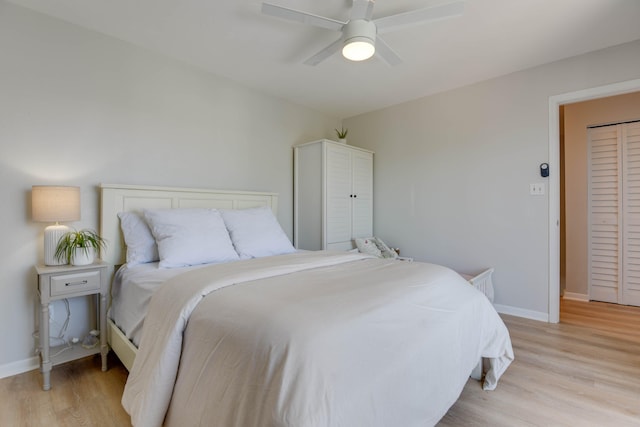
x: 630, y: 137
x: 604, y: 242
x: 362, y: 202
x: 338, y: 198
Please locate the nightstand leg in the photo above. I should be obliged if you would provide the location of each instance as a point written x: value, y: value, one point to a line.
x: 104, y: 348
x: 45, y: 366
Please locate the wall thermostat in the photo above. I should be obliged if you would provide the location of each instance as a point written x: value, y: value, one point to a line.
x: 544, y: 170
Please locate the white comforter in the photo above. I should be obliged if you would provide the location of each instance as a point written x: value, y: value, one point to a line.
x: 312, y: 339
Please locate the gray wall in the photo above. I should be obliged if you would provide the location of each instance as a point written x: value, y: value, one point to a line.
x: 79, y: 108
x: 452, y: 172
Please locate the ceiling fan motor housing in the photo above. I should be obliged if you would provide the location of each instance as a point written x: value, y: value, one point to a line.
x: 356, y: 32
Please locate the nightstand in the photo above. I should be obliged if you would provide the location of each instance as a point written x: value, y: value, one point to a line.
x: 67, y: 281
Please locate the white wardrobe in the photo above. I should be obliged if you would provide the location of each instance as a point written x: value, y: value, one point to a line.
x: 614, y: 213
x: 333, y: 195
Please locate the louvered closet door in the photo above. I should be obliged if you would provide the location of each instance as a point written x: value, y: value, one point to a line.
x: 630, y: 294
x: 604, y: 213
x: 614, y: 214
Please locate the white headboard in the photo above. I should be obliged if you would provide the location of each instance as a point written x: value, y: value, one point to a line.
x: 117, y: 198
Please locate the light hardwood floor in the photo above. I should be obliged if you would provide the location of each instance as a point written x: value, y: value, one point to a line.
x: 81, y: 395
x: 584, y: 371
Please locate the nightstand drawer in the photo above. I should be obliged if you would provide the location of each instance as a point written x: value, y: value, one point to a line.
x: 76, y: 282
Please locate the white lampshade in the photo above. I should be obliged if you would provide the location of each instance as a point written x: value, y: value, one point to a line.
x: 54, y: 204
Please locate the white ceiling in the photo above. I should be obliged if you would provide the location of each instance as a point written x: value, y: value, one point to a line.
x: 232, y: 38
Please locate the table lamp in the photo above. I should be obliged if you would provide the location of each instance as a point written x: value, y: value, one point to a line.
x: 54, y: 204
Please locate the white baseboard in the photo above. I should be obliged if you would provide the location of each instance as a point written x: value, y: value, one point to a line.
x: 521, y: 312
x: 576, y: 297
x: 19, y: 367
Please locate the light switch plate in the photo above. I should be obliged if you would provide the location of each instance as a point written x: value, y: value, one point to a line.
x: 536, y: 189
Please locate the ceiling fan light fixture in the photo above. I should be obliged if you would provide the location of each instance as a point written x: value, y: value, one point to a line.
x: 360, y: 32
x: 359, y: 40
x: 358, y: 49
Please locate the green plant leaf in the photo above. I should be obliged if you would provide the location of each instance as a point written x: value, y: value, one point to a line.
x: 342, y: 133
x: 85, y: 239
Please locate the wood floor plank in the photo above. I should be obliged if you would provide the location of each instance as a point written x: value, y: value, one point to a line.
x: 584, y: 371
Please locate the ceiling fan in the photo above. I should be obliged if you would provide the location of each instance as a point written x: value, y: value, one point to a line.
x: 360, y: 34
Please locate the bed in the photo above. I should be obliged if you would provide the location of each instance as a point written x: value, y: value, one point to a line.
x: 299, y: 338
x: 117, y: 198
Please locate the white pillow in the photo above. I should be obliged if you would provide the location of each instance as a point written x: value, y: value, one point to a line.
x: 190, y: 237
x: 256, y: 232
x: 141, y: 246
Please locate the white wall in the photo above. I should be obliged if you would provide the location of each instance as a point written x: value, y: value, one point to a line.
x: 80, y: 108
x: 576, y: 119
x: 452, y: 172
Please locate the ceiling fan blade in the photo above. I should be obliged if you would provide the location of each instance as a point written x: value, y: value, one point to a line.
x: 419, y: 16
x: 362, y: 9
x: 302, y: 17
x: 324, y: 53
x: 386, y: 53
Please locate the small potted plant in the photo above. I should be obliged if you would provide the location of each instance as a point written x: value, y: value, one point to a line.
x: 79, y: 247
x: 342, y: 135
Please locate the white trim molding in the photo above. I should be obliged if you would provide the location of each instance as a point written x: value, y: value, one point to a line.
x: 521, y: 312
x: 575, y: 297
x: 19, y: 367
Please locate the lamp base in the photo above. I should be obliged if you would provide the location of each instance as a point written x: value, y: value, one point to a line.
x: 52, y: 235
